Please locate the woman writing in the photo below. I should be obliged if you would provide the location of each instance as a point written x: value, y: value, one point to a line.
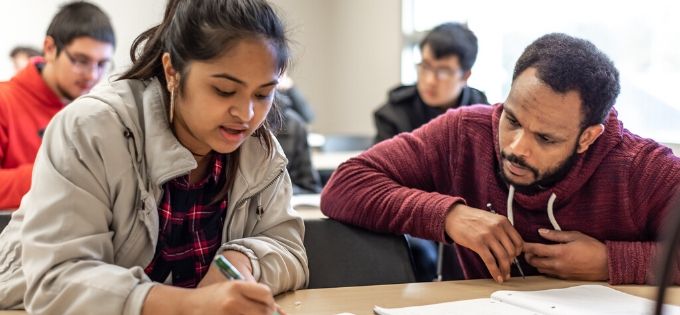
x: 138, y: 185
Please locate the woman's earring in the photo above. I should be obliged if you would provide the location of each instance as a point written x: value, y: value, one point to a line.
x: 172, y: 104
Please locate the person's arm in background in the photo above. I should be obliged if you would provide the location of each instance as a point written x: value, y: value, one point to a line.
x: 14, y: 182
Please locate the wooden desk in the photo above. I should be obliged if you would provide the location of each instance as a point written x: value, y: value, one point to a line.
x: 360, y: 300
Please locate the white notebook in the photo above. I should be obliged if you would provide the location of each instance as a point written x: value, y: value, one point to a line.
x: 584, y: 299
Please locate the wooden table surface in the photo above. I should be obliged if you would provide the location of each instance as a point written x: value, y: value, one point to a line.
x: 360, y: 300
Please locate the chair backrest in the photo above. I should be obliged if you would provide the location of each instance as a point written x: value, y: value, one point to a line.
x: 341, y: 255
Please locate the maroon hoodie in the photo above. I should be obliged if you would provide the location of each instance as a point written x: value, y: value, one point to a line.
x: 616, y: 191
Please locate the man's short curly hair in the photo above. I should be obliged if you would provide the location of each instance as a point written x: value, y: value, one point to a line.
x: 566, y: 63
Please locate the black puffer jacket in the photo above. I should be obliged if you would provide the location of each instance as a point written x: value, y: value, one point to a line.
x: 406, y: 111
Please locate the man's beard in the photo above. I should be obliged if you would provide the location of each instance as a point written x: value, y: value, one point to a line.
x: 548, y: 179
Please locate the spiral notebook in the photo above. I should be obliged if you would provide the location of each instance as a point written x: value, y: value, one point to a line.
x: 584, y: 299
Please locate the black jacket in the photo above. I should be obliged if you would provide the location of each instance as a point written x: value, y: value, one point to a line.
x: 406, y: 111
x: 293, y: 140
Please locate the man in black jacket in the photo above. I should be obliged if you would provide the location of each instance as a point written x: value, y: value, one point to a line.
x: 448, y: 53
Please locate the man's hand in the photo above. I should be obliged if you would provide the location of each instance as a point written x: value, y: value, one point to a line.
x: 577, y: 257
x: 490, y: 235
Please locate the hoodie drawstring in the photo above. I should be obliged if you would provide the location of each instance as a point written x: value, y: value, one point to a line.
x: 551, y: 214
x: 511, y: 194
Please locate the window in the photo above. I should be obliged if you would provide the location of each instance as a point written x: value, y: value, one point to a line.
x: 643, y: 40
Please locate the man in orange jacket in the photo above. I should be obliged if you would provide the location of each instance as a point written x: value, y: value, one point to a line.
x: 77, y: 49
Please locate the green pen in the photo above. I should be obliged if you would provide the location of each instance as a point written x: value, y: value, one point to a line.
x: 229, y: 271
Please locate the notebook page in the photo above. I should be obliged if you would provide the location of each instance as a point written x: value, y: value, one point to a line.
x: 583, y: 299
x: 466, y: 307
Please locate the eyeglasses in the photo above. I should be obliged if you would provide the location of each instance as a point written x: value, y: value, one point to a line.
x: 440, y: 74
x: 85, y: 65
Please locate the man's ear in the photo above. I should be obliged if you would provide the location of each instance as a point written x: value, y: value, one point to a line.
x: 466, y: 75
x: 171, y: 75
x: 49, y: 49
x: 588, y: 136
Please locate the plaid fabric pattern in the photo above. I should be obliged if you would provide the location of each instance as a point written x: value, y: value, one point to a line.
x: 190, y: 228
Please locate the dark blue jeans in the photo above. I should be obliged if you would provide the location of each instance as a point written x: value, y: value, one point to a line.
x: 424, y: 253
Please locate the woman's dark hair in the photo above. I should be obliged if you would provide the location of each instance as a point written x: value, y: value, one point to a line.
x: 201, y: 30
x: 453, y: 39
x: 568, y: 63
x: 79, y: 19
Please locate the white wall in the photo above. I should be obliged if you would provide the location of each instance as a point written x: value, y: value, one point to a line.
x: 25, y: 22
x: 348, y: 56
x: 346, y: 52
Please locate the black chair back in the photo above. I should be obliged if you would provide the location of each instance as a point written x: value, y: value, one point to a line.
x: 341, y: 255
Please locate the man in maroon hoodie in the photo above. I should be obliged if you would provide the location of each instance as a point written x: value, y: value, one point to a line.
x: 550, y: 173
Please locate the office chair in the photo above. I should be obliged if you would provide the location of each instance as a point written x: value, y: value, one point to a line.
x: 341, y: 255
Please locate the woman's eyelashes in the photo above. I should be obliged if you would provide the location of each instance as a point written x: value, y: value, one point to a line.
x: 260, y: 96
x: 223, y: 93
x: 264, y: 96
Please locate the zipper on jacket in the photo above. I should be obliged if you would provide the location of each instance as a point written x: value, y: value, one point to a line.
x: 260, y: 209
x: 127, y: 133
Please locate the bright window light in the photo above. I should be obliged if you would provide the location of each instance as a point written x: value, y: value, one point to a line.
x: 643, y: 40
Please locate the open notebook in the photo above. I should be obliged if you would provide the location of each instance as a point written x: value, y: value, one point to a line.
x: 584, y: 299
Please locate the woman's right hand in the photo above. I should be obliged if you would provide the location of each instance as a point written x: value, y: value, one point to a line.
x: 224, y: 298
x: 231, y: 297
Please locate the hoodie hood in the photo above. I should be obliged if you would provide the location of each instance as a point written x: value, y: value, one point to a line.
x: 584, y: 167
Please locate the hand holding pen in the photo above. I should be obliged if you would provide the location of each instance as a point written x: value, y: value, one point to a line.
x: 514, y: 261
x: 230, y: 272
x: 489, y: 235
